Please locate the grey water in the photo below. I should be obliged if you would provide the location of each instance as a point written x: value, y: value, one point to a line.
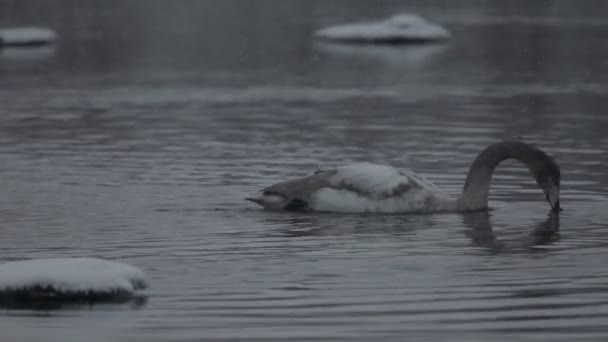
x: 138, y: 134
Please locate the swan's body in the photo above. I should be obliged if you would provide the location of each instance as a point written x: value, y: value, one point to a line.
x: 402, y: 28
x: 363, y: 187
x: 366, y: 187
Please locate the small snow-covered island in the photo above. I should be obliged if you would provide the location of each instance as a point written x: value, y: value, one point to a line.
x: 398, y: 29
x: 68, y: 280
x: 26, y: 36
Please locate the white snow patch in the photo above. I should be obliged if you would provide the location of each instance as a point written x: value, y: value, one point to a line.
x: 71, y: 275
x: 26, y: 36
x: 402, y: 28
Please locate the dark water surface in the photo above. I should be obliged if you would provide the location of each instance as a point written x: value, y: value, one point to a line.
x: 137, y: 137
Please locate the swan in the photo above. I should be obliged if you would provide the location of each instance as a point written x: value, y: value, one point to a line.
x: 367, y: 187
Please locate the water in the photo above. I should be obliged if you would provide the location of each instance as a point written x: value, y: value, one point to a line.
x: 139, y: 135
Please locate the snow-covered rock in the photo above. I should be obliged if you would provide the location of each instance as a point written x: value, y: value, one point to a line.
x: 69, y: 279
x: 26, y: 36
x: 398, y: 29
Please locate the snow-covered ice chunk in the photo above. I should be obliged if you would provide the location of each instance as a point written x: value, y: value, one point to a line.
x: 398, y: 29
x: 69, y: 279
x: 26, y: 36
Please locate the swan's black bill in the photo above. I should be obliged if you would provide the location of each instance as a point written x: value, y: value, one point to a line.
x: 556, y: 208
x: 553, y: 199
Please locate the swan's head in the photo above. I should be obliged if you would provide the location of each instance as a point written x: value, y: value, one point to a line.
x: 271, y: 200
x: 552, y: 195
x: 548, y: 178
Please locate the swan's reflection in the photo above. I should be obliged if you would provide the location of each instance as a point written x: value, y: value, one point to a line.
x: 479, y: 230
x: 478, y: 227
x: 328, y: 224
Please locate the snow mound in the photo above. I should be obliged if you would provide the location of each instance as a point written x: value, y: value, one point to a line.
x: 26, y: 36
x: 69, y: 279
x: 398, y: 29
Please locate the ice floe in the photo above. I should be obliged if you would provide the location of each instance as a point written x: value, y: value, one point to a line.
x: 26, y: 36
x: 398, y: 29
x: 69, y: 279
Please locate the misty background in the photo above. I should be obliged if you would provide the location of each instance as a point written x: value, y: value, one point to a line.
x: 139, y: 132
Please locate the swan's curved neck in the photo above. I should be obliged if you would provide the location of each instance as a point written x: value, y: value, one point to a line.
x: 477, y: 185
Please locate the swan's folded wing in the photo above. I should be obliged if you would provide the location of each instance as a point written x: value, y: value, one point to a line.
x: 375, y: 181
x: 302, y: 188
x: 364, y: 179
x: 420, y: 181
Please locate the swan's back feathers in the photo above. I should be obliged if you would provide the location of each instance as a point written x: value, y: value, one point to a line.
x: 363, y: 179
x: 378, y: 181
x: 301, y: 188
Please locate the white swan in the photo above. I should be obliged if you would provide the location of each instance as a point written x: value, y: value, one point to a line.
x: 366, y: 187
x: 398, y: 29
